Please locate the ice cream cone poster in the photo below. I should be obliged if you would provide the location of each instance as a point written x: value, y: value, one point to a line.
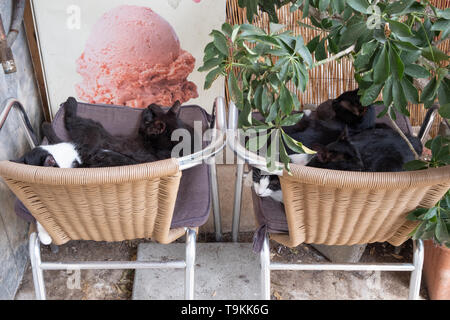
x: 131, y: 53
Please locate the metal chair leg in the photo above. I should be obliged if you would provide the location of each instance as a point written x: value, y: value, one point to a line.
x: 38, y: 274
x: 189, y: 287
x: 416, y: 275
x: 237, y: 202
x: 215, y: 199
x: 265, y: 269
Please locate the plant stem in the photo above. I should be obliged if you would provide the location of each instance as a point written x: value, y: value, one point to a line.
x: 446, y: 123
x: 400, y: 132
x: 335, y: 57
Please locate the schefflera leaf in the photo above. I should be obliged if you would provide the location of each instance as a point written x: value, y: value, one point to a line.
x: 296, y: 146
x: 382, y: 67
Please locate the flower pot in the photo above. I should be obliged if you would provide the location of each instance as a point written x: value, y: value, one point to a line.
x: 437, y: 271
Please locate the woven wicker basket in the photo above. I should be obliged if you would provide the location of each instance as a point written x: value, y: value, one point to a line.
x: 346, y: 208
x: 104, y: 204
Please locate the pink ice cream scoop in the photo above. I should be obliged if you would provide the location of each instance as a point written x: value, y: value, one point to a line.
x: 133, y: 57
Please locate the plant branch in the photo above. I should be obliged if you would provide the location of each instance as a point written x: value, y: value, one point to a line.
x: 335, y: 57
x: 318, y: 15
x: 400, y: 132
x: 446, y: 123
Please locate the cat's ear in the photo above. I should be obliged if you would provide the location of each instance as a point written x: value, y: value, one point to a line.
x: 176, y: 108
x: 50, y: 161
x: 156, y: 110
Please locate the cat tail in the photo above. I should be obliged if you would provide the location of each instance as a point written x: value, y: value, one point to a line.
x: 50, y: 133
x: 70, y: 108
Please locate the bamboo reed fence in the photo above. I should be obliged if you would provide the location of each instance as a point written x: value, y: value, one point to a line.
x: 330, y: 80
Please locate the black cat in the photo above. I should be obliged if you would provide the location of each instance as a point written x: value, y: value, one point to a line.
x: 351, y: 113
x: 93, y: 138
x: 338, y: 155
x: 98, y: 148
x: 380, y: 149
x: 154, y: 141
x: 157, y: 127
x: 325, y: 125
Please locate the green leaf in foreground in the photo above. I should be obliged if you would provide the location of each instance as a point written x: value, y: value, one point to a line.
x: 220, y: 41
x: 358, y: 5
x: 382, y: 68
x: 212, y: 76
x: 416, y: 71
x: 296, y: 146
x: 444, y: 111
x: 370, y: 95
x: 415, y: 165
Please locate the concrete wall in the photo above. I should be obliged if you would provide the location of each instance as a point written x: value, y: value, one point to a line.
x: 13, y: 230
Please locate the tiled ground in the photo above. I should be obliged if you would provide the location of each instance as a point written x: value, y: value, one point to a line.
x: 285, y: 284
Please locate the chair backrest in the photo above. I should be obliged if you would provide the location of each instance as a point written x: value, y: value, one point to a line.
x: 101, y: 204
x: 346, y: 208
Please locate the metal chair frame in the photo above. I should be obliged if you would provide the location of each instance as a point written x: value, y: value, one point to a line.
x: 208, y: 154
x: 245, y: 156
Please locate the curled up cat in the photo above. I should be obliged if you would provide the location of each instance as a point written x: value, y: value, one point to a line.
x: 380, y: 149
x: 98, y: 148
x: 93, y: 146
x: 326, y: 124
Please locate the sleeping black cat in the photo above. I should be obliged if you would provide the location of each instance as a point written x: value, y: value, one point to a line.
x: 157, y: 127
x: 98, y: 148
x: 351, y: 113
x: 374, y: 150
x: 380, y: 149
x: 325, y: 125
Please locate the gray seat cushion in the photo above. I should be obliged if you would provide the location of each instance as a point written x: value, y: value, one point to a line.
x: 193, y: 203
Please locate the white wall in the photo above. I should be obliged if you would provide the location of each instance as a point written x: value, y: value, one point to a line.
x: 60, y: 46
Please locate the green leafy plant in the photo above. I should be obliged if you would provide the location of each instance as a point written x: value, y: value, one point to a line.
x: 393, y: 43
x: 434, y: 223
x: 257, y: 81
x: 393, y: 46
x: 394, y: 49
x: 268, y: 6
x: 440, y: 155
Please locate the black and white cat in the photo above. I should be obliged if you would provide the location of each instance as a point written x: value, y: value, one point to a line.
x: 93, y: 146
x: 62, y: 155
x: 98, y: 148
x: 266, y: 184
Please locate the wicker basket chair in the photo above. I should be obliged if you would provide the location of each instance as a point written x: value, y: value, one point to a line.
x: 340, y: 208
x: 121, y: 203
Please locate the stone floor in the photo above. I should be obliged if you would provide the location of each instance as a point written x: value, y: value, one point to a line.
x: 286, y: 285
